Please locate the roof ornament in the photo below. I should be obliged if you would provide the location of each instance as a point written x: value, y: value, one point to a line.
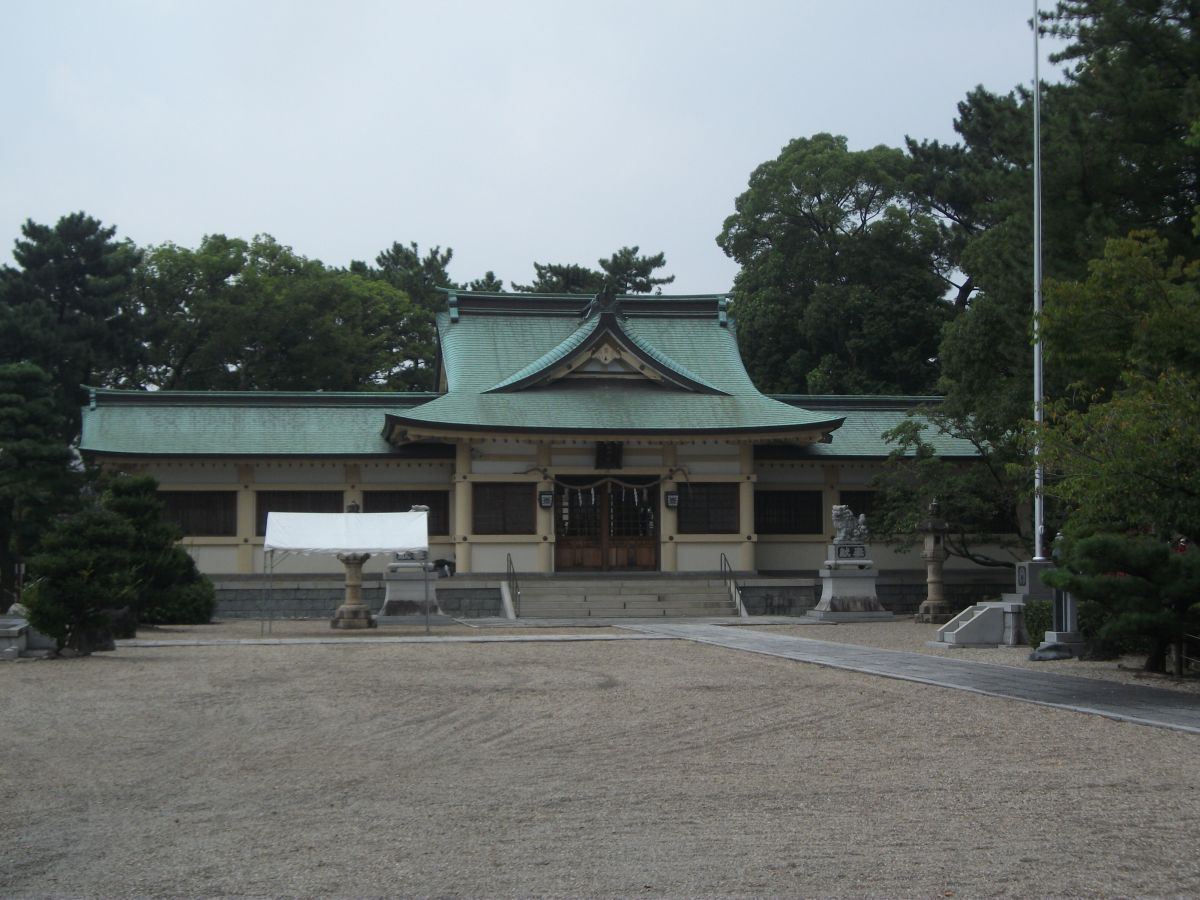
x: 603, y: 302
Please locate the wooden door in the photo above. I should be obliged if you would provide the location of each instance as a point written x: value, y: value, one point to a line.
x: 606, y: 527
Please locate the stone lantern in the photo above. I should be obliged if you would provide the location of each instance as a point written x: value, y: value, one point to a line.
x: 934, y: 610
x: 353, y: 613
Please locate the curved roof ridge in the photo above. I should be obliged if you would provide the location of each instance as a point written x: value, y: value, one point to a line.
x: 591, y: 330
x: 572, y: 342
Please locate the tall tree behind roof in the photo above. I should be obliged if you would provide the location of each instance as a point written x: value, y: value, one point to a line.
x: 625, y: 272
x: 67, y: 308
x: 841, y: 283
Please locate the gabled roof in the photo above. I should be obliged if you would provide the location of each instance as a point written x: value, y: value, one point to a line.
x: 507, y: 359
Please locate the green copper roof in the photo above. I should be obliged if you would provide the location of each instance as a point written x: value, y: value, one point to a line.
x: 137, y: 423
x: 167, y: 423
x: 498, y: 341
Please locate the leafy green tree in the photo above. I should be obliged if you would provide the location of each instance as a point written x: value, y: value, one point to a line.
x: 1123, y: 445
x: 625, y: 271
x: 1115, y: 158
x: 36, y: 479
x: 168, y: 588
x: 80, y: 575
x: 419, y: 277
x: 1137, y: 312
x: 237, y: 315
x: 67, y: 308
x: 841, y: 283
x: 1143, y: 587
x: 629, y: 273
x: 555, y: 278
x: 489, y: 283
x: 1134, y: 65
x: 979, y: 500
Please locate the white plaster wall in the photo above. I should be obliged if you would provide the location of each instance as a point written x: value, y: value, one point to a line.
x: 807, y: 556
x: 411, y: 473
x: 502, y: 466
x: 221, y: 560
x: 702, y: 451
x: 503, y: 448
x: 732, y: 467
x: 572, y: 458
x: 193, y: 473
x: 642, y: 458
x: 856, y: 476
x: 300, y: 473
x: 799, y: 475
x: 706, y: 557
x: 789, y: 556
x: 494, y: 557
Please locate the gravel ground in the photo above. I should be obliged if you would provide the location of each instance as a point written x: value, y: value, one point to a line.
x: 628, y: 768
x: 904, y: 634
x: 319, y: 628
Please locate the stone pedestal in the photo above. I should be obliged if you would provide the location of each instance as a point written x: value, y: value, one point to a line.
x: 353, y: 613
x: 848, y: 586
x: 934, y: 610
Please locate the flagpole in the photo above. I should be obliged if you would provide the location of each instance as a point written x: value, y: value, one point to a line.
x: 1039, y: 475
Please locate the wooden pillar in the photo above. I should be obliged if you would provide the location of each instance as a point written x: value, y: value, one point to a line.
x: 746, y: 561
x: 463, y: 515
x: 545, y: 517
x: 245, y: 520
x: 668, y: 550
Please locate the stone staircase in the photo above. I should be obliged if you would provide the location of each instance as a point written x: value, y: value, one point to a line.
x: 616, y: 597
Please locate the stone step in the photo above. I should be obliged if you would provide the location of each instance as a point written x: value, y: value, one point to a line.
x: 566, y: 609
x: 608, y: 596
x: 609, y: 612
x: 581, y: 588
x: 623, y: 600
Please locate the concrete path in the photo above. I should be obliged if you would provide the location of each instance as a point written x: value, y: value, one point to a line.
x: 1128, y: 703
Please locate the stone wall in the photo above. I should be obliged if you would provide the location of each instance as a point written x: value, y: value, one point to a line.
x: 470, y: 603
x: 312, y: 598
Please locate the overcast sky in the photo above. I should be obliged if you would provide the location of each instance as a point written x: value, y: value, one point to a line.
x: 510, y: 131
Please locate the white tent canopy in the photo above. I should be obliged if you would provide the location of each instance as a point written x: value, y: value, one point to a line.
x: 347, y: 532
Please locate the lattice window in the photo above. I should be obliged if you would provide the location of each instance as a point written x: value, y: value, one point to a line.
x: 201, y: 513
x: 402, y: 501
x: 505, y: 508
x: 708, y: 508
x: 788, y: 512
x: 294, y: 501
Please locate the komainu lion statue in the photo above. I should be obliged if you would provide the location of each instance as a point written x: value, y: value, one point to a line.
x: 847, y: 528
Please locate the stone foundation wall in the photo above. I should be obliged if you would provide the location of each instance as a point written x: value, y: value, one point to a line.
x: 779, y: 599
x: 470, y: 603
x: 313, y: 598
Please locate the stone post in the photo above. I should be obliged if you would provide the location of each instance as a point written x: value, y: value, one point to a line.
x: 934, y: 610
x: 353, y: 613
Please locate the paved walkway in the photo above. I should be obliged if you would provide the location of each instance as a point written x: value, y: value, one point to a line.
x: 1128, y: 703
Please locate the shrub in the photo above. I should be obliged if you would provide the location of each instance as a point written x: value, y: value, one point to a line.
x: 1039, y: 618
x: 81, y: 574
x: 182, y: 604
x: 169, y: 589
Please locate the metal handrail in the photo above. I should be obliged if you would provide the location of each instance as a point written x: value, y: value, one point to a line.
x: 729, y: 576
x: 514, y: 587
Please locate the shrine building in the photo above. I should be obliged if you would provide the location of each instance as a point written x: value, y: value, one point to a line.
x: 568, y: 434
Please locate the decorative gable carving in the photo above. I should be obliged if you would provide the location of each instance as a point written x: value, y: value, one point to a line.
x: 608, y: 353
